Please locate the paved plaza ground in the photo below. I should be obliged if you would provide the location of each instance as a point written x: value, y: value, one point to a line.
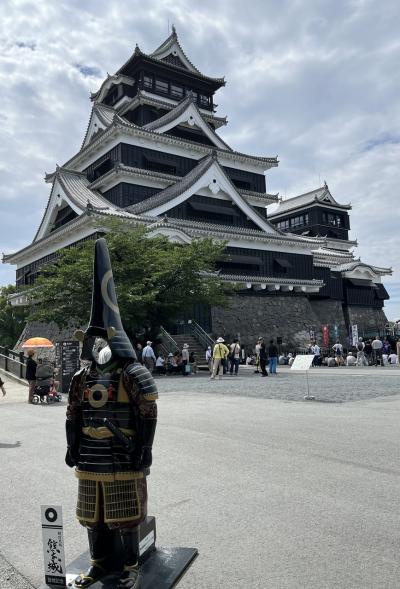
x: 275, y: 492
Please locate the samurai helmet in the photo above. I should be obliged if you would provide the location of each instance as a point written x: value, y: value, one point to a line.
x: 105, y: 320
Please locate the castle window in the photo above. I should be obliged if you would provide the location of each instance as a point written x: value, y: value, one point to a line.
x: 283, y: 225
x: 332, y: 219
x: 148, y: 82
x: 176, y: 91
x: 159, y: 166
x: 162, y: 86
x: 204, y: 100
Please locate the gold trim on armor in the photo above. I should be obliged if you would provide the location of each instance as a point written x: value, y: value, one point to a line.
x: 150, y: 396
x: 102, y: 432
x: 122, y: 394
x: 109, y: 476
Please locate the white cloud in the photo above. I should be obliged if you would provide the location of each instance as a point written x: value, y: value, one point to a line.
x: 315, y: 82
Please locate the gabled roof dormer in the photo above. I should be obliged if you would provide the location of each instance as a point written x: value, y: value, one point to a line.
x: 187, y: 114
x: 101, y: 117
x: 320, y: 196
x: 171, y: 52
x: 207, y: 174
x: 70, y: 189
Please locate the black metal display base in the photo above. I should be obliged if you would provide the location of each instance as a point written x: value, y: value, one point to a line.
x: 162, y: 570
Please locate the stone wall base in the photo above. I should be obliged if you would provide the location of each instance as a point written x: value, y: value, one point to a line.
x: 370, y: 322
x: 291, y: 318
x: 249, y: 317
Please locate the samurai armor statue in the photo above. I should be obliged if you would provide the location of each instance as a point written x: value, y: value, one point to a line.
x: 111, y: 421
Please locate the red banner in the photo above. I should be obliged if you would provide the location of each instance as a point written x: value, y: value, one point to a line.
x: 325, y: 336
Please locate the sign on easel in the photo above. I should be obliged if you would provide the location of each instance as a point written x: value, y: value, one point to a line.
x: 302, y: 362
x: 53, y: 546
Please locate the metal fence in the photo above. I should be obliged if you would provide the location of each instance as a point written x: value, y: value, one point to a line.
x: 13, y: 362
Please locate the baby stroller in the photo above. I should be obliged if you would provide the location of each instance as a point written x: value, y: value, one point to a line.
x: 45, y: 391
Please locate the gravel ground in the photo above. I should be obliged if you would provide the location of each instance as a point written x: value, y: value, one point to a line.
x: 331, y: 385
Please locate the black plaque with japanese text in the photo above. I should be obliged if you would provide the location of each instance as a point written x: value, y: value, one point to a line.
x: 69, y: 361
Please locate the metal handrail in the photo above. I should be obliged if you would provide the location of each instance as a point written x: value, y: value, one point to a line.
x: 12, y: 359
x: 200, y: 334
x: 168, y: 341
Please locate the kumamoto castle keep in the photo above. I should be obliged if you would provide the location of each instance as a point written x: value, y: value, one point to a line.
x: 152, y: 156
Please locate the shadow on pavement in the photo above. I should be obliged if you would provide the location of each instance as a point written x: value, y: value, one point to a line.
x: 16, y: 445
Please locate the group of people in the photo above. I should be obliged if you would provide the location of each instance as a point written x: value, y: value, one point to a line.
x: 266, y: 355
x: 42, y: 370
x: 376, y: 352
x: 183, y: 362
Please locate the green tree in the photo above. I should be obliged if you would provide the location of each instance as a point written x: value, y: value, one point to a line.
x: 12, y: 319
x: 155, y: 280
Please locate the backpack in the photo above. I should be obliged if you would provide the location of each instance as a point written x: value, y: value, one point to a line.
x: 360, y: 346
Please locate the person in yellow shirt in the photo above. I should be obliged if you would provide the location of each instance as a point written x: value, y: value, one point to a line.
x: 220, y: 354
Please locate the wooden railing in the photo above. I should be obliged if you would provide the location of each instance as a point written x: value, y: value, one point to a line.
x: 13, y: 362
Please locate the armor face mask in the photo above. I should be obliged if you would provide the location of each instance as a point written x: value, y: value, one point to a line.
x: 105, y: 320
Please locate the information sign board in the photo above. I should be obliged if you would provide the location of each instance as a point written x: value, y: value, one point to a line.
x: 53, y: 546
x: 70, y: 362
x: 302, y: 362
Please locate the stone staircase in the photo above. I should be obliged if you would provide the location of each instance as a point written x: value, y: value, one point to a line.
x: 194, y: 346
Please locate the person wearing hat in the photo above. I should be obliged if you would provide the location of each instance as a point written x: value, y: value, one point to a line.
x: 148, y: 356
x: 220, y: 354
x: 30, y: 374
x: 110, y: 427
x: 185, y: 360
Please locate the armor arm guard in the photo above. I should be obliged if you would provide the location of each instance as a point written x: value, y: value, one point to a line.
x: 73, y: 425
x: 143, y: 394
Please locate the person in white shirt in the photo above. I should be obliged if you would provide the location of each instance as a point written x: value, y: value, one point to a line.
x: 361, y: 359
x: 160, y: 365
x: 392, y: 358
x: 351, y: 360
x: 377, y: 346
x: 148, y: 356
x: 209, y: 358
x: 316, y: 350
x: 185, y: 360
x: 234, y: 357
x: 338, y: 349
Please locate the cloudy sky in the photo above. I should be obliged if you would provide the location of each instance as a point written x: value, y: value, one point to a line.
x: 316, y: 82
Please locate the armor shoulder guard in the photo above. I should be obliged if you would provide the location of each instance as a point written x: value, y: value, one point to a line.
x: 143, y: 379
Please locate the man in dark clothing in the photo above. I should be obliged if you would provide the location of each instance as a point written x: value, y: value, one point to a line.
x: 273, y: 357
x: 30, y: 374
x: 262, y: 355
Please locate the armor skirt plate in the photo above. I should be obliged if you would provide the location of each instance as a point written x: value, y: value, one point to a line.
x: 117, y: 503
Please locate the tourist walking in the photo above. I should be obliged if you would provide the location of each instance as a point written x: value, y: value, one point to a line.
x: 273, y: 356
x: 148, y: 356
x: 257, y: 352
x: 361, y: 359
x: 185, y: 360
x: 377, y: 346
x: 234, y: 356
x: 263, y: 359
x: 209, y: 358
x: 316, y: 350
x: 220, y: 353
x: 30, y: 374
x: 338, y: 349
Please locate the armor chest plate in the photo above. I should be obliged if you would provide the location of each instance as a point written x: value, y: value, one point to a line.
x: 104, y: 395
